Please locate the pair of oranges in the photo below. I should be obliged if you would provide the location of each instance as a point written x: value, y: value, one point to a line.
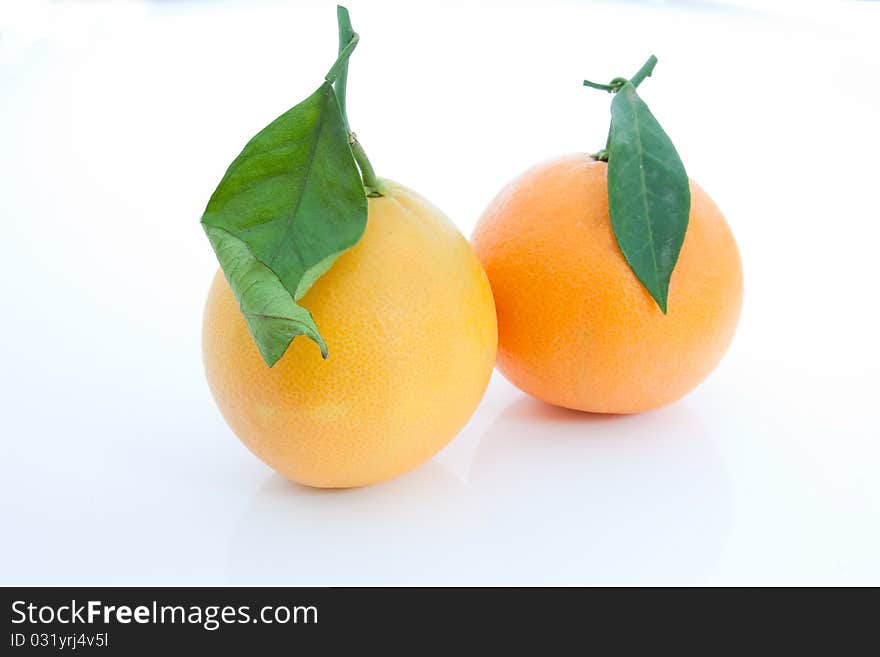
x: 413, y: 328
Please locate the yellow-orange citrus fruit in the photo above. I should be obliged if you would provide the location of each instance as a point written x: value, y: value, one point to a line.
x: 408, y: 318
x: 575, y: 326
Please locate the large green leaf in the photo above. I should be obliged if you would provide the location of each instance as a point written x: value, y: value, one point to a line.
x: 294, y: 194
x: 294, y: 200
x: 648, y: 194
x: 273, y: 317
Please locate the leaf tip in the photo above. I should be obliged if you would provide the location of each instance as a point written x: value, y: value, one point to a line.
x: 662, y: 303
x: 270, y: 358
x: 318, y: 340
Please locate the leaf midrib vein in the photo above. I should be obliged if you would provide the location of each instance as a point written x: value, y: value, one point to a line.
x: 316, y: 133
x: 644, y: 188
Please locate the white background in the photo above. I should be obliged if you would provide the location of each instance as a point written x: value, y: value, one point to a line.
x: 116, y: 123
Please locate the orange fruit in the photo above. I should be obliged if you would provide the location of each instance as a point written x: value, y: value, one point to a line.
x: 575, y: 326
x: 408, y: 318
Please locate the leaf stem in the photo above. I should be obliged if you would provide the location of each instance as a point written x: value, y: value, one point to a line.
x: 338, y: 76
x: 644, y: 72
x: 372, y: 184
x: 341, y: 63
x: 613, y: 87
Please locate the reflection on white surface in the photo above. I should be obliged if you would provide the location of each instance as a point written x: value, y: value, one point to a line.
x: 552, y: 496
x: 599, y: 498
x: 410, y: 530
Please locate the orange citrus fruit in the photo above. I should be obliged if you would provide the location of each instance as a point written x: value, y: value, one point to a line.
x: 576, y: 328
x: 409, y: 321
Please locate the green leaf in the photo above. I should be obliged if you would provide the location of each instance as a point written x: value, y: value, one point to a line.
x: 648, y: 193
x: 294, y: 200
x: 273, y: 317
x: 294, y: 194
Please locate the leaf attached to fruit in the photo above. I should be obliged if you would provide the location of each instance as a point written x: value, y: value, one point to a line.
x: 648, y: 193
x: 288, y: 206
